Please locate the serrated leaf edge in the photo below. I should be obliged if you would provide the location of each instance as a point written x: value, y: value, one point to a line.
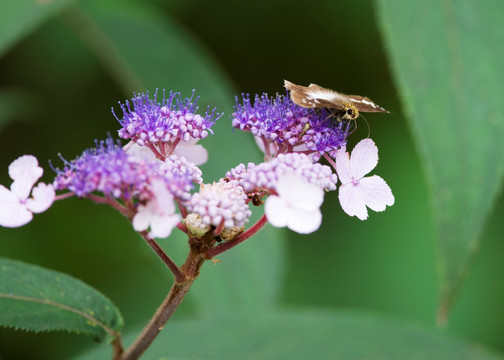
x: 107, y: 329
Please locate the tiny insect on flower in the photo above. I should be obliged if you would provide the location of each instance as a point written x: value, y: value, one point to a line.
x: 344, y: 107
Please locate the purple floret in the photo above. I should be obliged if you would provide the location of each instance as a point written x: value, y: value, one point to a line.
x: 147, y: 121
x: 108, y: 169
x: 289, y: 127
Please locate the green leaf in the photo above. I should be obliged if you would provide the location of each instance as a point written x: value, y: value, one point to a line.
x: 19, y: 17
x: 303, y: 335
x: 447, y: 59
x: 37, y: 299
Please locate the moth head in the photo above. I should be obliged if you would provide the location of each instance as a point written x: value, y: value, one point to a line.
x: 350, y: 112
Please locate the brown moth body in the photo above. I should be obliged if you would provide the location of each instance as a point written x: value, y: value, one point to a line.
x: 345, y: 107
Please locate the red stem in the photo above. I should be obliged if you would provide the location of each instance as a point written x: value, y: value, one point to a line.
x: 182, y: 227
x: 64, y: 196
x: 109, y: 201
x: 219, y: 249
x: 179, y: 276
x: 330, y: 161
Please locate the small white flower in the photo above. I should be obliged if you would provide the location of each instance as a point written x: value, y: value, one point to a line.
x: 356, y: 191
x: 15, y: 207
x: 296, y: 206
x: 158, y: 213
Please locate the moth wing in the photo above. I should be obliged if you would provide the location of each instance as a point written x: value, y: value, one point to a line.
x: 325, y: 98
x: 314, y: 96
x: 298, y: 95
x: 364, y: 104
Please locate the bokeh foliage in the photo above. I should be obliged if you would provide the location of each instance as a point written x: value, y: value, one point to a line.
x: 65, y: 65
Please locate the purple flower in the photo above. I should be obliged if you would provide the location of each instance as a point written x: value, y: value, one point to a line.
x: 162, y: 125
x: 280, y: 126
x: 107, y: 168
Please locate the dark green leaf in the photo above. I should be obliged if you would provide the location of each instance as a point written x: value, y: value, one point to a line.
x: 36, y: 299
x: 447, y: 58
x: 19, y: 17
x: 304, y: 335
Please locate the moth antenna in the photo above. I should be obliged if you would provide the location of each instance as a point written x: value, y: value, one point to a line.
x: 368, y: 127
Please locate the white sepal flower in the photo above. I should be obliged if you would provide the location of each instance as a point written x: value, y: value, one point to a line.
x: 296, y: 206
x: 158, y: 213
x: 356, y: 191
x: 16, y: 209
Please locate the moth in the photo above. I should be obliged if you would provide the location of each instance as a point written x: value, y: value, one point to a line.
x: 343, y: 107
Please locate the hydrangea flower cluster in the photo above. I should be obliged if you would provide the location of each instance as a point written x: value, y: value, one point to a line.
x: 162, y: 125
x: 156, y: 171
x: 222, y: 205
x: 108, y: 169
x: 282, y: 126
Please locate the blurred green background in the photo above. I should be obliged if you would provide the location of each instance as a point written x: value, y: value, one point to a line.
x: 60, y: 78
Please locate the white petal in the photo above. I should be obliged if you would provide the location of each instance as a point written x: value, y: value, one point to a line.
x: 12, y: 212
x: 343, y: 167
x: 142, y: 218
x: 164, y: 199
x: 142, y: 152
x: 161, y: 226
x: 299, y: 193
x: 352, y: 202
x: 304, y: 222
x: 273, y: 146
x: 364, y: 158
x: 276, y: 211
x: 376, y: 193
x: 42, y: 198
x: 193, y: 152
x: 25, y: 172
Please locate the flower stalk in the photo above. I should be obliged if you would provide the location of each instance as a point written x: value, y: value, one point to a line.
x: 189, y: 271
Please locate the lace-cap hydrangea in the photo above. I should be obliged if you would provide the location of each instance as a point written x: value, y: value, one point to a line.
x: 281, y: 126
x: 161, y: 126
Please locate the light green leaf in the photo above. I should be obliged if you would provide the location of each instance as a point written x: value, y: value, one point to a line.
x: 19, y: 17
x: 303, y: 335
x: 36, y: 299
x: 447, y: 58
